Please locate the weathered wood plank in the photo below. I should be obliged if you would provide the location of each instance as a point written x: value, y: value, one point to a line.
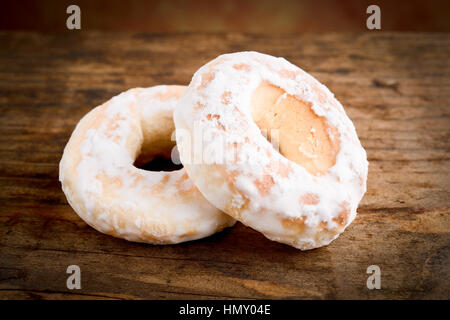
x: 395, y: 87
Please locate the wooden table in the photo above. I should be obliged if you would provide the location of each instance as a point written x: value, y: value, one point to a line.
x: 395, y: 87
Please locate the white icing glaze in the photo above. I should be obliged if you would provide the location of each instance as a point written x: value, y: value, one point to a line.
x: 107, y: 191
x: 217, y: 101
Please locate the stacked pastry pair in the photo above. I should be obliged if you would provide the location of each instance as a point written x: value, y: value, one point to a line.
x: 261, y: 141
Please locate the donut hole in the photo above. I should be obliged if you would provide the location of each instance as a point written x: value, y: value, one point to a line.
x: 157, y: 150
x: 164, y: 159
x: 303, y: 136
x: 160, y: 164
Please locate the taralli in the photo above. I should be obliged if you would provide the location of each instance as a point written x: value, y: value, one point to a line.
x: 305, y: 193
x: 112, y: 195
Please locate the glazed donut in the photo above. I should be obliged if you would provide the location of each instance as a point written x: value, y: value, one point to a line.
x: 112, y: 195
x: 302, y: 189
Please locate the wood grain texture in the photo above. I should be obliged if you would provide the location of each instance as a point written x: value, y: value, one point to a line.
x: 395, y: 88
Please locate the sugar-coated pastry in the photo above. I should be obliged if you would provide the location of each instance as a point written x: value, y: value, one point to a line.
x: 112, y: 195
x: 303, y: 187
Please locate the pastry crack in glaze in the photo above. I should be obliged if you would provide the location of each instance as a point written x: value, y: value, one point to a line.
x: 112, y: 195
x: 305, y: 193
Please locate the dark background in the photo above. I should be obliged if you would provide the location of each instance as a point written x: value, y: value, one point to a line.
x: 250, y: 16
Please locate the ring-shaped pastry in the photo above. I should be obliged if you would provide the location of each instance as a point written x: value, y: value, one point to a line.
x: 112, y: 195
x: 303, y: 187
